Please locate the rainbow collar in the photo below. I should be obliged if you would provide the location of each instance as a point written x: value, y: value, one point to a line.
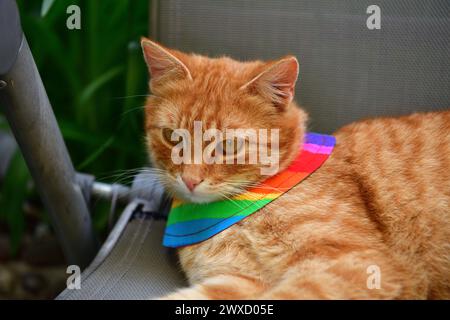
x: 190, y: 223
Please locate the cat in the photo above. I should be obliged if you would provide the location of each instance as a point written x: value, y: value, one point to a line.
x: 379, y: 206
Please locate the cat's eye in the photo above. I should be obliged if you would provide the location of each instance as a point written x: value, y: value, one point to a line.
x: 230, y: 146
x: 167, y: 136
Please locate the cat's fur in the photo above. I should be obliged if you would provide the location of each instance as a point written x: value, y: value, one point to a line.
x: 382, y: 199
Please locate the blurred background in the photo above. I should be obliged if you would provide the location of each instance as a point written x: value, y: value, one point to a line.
x: 96, y: 81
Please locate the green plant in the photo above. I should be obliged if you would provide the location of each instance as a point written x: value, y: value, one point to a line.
x: 96, y: 81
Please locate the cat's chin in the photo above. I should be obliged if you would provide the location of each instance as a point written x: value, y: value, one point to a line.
x: 196, y: 197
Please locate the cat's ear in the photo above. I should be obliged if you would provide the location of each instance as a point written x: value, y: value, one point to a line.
x: 164, y: 63
x: 277, y: 82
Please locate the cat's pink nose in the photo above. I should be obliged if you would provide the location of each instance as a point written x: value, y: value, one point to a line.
x: 191, y: 183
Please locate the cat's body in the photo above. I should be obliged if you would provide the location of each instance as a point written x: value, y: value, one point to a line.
x: 381, y: 199
x: 372, y: 222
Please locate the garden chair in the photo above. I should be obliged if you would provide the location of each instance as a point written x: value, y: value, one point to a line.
x: 349, y: 70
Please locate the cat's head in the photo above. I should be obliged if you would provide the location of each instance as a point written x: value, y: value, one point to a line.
x: 196, y: 94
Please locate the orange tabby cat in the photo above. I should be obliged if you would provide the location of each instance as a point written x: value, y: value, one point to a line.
x: 380, y: 203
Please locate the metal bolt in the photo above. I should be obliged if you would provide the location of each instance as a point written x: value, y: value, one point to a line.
x: 3, y: 84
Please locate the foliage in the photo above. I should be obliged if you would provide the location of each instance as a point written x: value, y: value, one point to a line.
x: 96, y: 81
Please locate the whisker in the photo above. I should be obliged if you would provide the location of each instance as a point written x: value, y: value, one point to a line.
x: 131, y: 110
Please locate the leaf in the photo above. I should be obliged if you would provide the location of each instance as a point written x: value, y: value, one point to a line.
x: 73, y: 132
x: 82, y: 76
x: 89, y: 91
x: 46, y: 5
x: 12, y: 197
x: 96, y: 154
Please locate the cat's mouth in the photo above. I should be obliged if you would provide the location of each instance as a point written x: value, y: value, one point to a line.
x: 202, y: 193
x: 200, y: 198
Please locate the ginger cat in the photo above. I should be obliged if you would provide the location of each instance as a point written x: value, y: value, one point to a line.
x: 380, y: 203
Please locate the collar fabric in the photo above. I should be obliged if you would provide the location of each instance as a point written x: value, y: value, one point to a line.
x: 190, y: 223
